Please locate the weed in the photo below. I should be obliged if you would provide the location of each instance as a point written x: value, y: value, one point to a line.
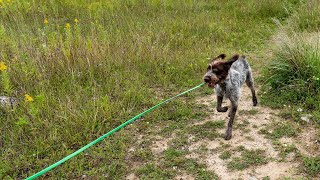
x: 250, y: 112
x: 248, y: 158
x: 143, y: 154
x: 285, y: 149
x: 151, y: 171
x: 312, y: 165
x: 279, y: 130
x: 266, y: 178
x: 207, y: 130
x: 225, y: 155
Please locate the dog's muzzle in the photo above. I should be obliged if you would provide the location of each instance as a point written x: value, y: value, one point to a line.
x: 211, y: 82
x: 207, y: 79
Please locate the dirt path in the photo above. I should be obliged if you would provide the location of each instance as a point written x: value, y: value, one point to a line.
x: 255, y: 130
x: 256, y: 118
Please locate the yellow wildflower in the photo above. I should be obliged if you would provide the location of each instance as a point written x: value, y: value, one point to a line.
x: 3, y: 67
x: 45, y: 21
x: 68, y: 25
x: 28, y: 98
x: 76, y: 20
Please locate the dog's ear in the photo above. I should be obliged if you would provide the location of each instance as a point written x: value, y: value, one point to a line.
x: 232, y: 60
x: 222, y: 56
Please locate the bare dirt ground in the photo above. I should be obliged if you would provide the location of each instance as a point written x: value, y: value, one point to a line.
x: 249, y: 121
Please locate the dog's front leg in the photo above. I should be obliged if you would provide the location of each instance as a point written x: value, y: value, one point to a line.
x: 219, y: 105
x: 234, y: 107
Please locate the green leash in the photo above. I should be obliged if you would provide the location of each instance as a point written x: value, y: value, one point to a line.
x: 108, y: 134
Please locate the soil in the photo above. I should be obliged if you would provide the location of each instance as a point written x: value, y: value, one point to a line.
x: 248, y: 137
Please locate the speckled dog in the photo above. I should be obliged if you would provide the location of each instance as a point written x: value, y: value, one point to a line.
x: 227, y: 78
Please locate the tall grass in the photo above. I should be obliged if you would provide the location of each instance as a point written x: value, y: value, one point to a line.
x: 90, y: 65
x: 295, y: 70
x: 293, y: 76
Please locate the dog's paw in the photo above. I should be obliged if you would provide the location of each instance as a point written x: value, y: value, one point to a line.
x: 255, y: 102
x: 223, y: 109
x: 228, y: 135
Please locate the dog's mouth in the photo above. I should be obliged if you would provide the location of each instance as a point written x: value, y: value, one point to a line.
x: 211, y: 84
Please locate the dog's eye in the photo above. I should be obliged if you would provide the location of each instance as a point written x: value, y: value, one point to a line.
x: 215, y: 70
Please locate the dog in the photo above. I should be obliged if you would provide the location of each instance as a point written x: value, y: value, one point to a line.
x: 227, y: 77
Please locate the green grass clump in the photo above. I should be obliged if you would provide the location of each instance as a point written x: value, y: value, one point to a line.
x: 151, y: 171
x: 176, y: 158
x: 248, y: 158
x: 207, y: 130
x: 293, y: 76
x: 307, y: 17
x: 277, y: 131
x: 225, y: 155
x: 312, y: 165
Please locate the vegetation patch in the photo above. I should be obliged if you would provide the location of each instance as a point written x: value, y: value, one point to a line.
x: 207, y: 130
x: 250, y: 112
x: 248, y: 158
x: 225, y: 155
x: 312, y: 165
x: 293, y: 75
x: 151, y: 171
x: 279, y: 130
x: 176, y: 159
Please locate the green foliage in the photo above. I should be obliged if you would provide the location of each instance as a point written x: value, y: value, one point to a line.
x: 307, y: 17
x: 279, y: 130
x: 151, y: 171
x: 176, y: 158
x: 207, y: 130
x: 225, y: 155
x: 248, y: 158
x: 293, y: 76
x: 312, y: 165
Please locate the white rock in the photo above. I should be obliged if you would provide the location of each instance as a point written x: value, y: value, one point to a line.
x: 306, y: 117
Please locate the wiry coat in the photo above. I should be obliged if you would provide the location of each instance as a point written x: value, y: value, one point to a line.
x: 227, y: 78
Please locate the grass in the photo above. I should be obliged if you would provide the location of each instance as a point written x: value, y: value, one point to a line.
x: 248, y: 158
x: 176, y: 158
x: 225, y: 155
x: 312, y: 165
x: 293, y: 76
x: 248, y: 112
x: 87, y: 76
x: 207, y: 130
x: 279, y: 130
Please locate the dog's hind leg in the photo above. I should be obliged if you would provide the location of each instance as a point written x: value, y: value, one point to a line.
x: 249, y: 82
x: 234, y: 107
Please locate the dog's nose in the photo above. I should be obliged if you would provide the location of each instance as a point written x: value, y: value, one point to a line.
x: 206, y: 78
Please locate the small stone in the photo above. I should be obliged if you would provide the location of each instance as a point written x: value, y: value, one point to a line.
x: 6, y: 101
x: 252, y: 178
x: 306, y: 117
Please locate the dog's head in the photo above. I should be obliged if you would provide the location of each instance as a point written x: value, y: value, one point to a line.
x: 218, y: 69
